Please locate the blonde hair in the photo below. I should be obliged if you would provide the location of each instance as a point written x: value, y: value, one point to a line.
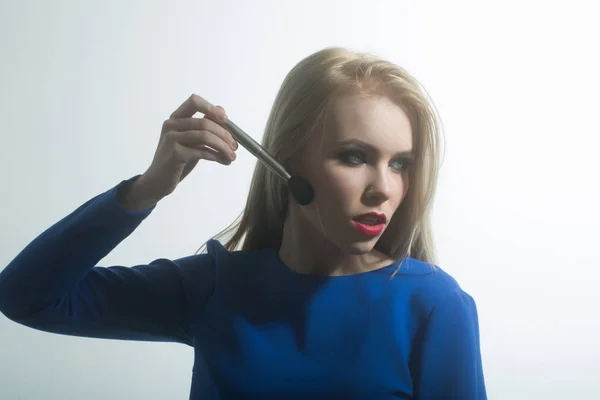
x: 300, y: 110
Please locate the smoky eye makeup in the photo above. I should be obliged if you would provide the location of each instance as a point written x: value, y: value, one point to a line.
x: 356, y: 157
x: 352, y: 157
x: 402, y: 163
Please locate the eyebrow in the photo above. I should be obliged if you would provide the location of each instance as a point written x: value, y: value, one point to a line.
x: 367, y: 146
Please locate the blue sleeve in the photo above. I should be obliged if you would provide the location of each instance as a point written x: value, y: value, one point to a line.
x: 55, y: 285
x: 448, y: 364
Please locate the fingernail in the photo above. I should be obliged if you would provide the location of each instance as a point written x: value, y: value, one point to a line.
x: 235, y: 145
x: 220, y: 114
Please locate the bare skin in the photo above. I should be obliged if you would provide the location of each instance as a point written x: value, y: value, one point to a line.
x: 184, y: 141
x: 349, y: 180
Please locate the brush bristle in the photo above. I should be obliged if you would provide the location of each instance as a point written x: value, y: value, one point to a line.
x: 302, y: 191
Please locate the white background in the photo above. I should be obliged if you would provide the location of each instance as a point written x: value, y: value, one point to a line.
x: 86, y: 85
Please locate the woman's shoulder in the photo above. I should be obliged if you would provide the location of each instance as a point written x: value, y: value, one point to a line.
x: 430, y: 284
x: 226, y: 264
x: 224, y: 257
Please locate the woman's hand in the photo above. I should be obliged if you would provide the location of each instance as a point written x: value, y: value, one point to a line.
x: 184, y: 141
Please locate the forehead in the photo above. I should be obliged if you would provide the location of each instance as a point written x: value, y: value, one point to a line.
x: 374, y: 119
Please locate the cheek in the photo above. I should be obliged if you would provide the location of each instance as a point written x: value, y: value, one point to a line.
x: 404, y: 182
x: 338, y: 186
x: 402, y: 190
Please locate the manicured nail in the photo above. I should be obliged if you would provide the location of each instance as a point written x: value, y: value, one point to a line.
x: 220, y: 114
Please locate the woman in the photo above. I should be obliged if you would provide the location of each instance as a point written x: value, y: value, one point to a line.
x: 338, y: 299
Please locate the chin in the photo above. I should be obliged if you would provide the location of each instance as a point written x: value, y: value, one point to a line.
x: 360, y: 248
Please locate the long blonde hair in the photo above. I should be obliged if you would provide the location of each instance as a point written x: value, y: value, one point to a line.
x: 300, y: 110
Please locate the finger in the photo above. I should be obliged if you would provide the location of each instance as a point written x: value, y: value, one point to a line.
x: 200, y: 124
x: 193, y: 154
x: 203, y: 138
x: 218, y: 114
x: 195, y: 104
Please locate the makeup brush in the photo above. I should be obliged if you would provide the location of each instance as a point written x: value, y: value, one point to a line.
x: 302, y: 191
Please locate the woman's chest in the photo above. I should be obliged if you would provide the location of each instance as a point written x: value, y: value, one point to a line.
x: 321, y: 347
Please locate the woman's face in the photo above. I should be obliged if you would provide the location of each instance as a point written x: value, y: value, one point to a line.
x: 358, y: 166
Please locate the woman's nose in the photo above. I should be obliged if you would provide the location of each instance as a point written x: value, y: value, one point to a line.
x: 380, y: 185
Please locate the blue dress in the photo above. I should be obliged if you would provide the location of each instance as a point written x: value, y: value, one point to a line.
x: 258, y: 329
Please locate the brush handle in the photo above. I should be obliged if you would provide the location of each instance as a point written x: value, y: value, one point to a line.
x: 256, y: 149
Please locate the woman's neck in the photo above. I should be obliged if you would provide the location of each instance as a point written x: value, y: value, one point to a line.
x: 305, y: 250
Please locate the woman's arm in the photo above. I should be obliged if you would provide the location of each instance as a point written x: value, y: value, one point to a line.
x: 54, y: 284
x: 448, y: 359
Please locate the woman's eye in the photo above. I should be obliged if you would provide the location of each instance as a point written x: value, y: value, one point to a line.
x: 354, y: 158
x: 399, y: 164
x: 358, y: 158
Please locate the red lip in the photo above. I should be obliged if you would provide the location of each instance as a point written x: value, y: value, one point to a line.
x: 371, y: 230
x: 373, y: 227
x: 381, y: 218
